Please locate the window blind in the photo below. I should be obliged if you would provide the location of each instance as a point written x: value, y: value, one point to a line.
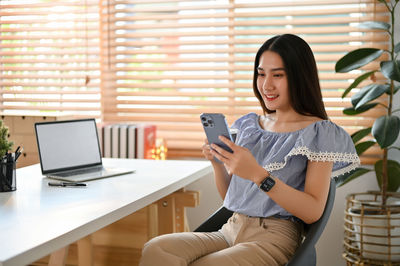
x: 169, y: 61
x: 49, y: 57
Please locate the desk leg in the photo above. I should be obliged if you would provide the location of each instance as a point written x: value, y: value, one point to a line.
x: 184, y: 199
x: 171, y: 211
x: 59, y: 257
x: 152, y: 221
x: 166, y: 215
x: 85, y: 251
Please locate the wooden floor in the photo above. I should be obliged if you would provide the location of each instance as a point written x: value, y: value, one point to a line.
x: 103, y: 255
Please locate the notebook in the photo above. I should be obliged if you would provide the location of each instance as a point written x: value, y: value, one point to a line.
x: 69, y: 150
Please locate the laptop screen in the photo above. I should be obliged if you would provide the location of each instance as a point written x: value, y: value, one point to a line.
x: 67, y: 145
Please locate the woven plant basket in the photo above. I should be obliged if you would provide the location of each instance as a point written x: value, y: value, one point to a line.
x: 371, y: 230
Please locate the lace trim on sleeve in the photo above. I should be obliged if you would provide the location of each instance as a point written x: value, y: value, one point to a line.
x: 351, y: 158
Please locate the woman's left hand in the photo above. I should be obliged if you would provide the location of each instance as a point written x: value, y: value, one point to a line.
x: 241, y: 162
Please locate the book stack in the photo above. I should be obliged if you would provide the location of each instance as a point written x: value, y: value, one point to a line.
x: 127, y: 140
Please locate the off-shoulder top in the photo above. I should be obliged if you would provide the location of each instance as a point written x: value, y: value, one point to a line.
x: 285, y: 156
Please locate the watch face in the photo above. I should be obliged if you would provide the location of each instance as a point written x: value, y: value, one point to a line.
x: 267, y: 184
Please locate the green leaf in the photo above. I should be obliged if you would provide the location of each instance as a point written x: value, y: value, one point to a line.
x: 393, y: 170
x: 357, y: 81
x: 391, y: 69
x: 363, y: 146
x: 367, y: 94
x: 347, y: 177
x: 397, y: 48
x: 375, y: 25
x: 362, y: 109
x: 386, y: 130
x: 396, y: 89
x: 357, y: 136
x: 356, y: 59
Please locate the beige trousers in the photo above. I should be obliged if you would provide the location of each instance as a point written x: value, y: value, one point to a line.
x: 242, y: 240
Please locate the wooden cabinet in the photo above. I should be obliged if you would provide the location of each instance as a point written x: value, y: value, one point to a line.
x: 22, y: 132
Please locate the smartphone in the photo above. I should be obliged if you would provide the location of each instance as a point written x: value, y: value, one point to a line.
x: 215, y: 125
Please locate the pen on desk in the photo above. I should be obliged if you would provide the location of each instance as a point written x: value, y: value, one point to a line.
x: 66, y: 184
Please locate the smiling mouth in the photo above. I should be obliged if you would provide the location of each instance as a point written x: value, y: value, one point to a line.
x: 271, y: 97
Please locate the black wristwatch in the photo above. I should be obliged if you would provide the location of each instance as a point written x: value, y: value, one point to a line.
x: 267, y: 183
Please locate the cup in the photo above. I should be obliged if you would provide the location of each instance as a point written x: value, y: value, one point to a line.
x: 8, y: 176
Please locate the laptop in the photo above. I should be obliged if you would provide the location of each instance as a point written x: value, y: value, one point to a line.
x: 69, y: 150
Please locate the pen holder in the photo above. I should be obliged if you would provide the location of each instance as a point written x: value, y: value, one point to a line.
x: 7, y: 176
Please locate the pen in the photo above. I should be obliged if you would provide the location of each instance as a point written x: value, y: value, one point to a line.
x: 18, y: 153
x: 17, y: 150
x: 66, y: 184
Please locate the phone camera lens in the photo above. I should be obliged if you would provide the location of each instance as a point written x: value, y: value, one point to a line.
x: 205, y: 124
x: 203, y: 118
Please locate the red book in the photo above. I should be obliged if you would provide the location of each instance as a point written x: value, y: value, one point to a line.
x: 146, y: 140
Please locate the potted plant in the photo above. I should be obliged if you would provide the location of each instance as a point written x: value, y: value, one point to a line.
x: 7, y: 173
x: 5, y: 144
x: 360, y: 230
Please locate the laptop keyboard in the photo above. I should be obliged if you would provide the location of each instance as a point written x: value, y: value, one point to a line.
x: 80, y: 172
x: 88, y: 174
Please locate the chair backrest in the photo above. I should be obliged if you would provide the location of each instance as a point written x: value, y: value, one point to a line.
x: 215, y: 221
x: 305, y: 253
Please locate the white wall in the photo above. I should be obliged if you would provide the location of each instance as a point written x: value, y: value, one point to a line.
x: 330, y: 245
x: 209, y: 201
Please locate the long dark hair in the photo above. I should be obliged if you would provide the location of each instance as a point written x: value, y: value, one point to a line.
x: 301, y: 71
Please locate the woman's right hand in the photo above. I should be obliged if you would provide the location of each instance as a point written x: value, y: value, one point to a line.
x: 207, y: 151
x: 222, y: 177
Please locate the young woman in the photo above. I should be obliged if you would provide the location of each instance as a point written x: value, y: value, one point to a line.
x: 277, y: 177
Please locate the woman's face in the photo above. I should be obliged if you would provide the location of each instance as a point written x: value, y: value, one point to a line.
x: 272, y: 82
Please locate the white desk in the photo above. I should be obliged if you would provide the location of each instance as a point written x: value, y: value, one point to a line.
x: 36, y: 219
